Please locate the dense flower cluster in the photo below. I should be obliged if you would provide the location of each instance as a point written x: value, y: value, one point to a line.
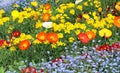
x: 47, y: 28
x: 107, y: 47
x: 80, y: 61
x: 60, y: 23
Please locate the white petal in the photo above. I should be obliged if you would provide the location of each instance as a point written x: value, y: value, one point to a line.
x: 47, y: 24
x: 77, y: 1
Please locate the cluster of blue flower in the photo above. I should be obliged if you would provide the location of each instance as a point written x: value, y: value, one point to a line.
x: 78, y: 60
x: 6, y: 4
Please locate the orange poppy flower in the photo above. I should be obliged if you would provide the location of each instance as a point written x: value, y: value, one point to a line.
x: 117, y: 21
x: 24, y: 45
x: 83, y: 38
x: 46, y: 17
x: 52, y: 37
x: 117, y: 6
x: 91, y: 34
x: 47, y: 6
x: 41, y: 36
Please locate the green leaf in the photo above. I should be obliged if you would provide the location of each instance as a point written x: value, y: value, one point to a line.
x: 2, y: 70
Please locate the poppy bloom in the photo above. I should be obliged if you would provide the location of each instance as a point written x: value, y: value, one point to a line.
x: 41, y: 36
x: 29, y: 70
x: 91, y: 34
x: 46, y: 17
x: 83, y: 38
x: 117, y: 6
x: 78, y: 1
x: 105, y: 47
x: 15, y: 33
x: 99, y: 48
x: 24, y: 45
x: 47, y: 24
x: 52, y: 37
x: 116, y: 46
x: 47, y: 6
x: 117, y: 21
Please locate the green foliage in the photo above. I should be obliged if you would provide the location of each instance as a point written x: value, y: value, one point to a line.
x: 2, y: 69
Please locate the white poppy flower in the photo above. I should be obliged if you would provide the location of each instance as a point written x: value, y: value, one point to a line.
x: 78, y: 1
x: 47, y: 24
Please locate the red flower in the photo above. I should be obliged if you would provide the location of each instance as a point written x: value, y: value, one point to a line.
x: 105, y: 47
x: 99, y: 48
x: 116, y: 46
x: 15, y: 33
x: 58, y: 59
x: 83, y: 38
x: 29, y: 70
x: 41, y: 70
x: 80, y: 16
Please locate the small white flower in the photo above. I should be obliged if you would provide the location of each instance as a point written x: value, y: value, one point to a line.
x: 78, y: 1
x: 47, y: 24
x: 48, y: 52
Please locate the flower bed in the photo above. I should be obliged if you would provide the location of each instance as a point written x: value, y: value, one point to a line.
x: 90, y: 61
x: 85, y: 31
